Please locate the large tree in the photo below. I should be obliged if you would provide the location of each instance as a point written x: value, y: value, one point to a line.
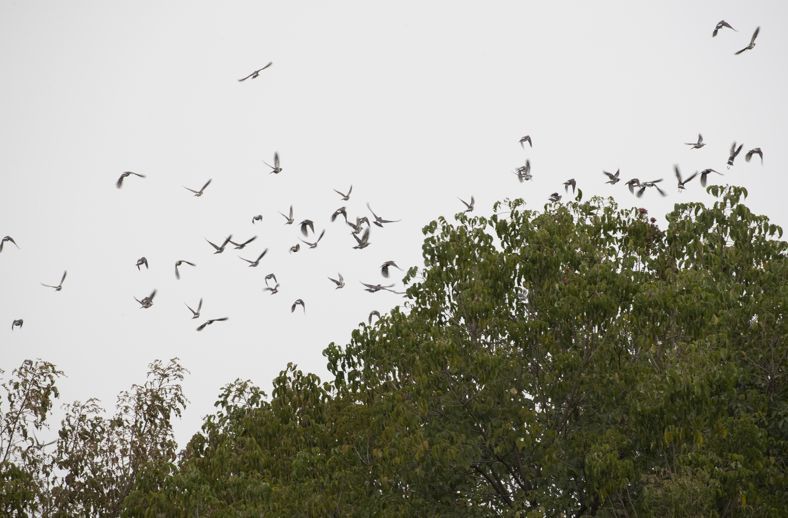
x: 580, y: 360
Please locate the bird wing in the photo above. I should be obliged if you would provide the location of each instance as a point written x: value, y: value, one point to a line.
x: 320, y: 236
x: 248, y: 241
x: 372, y: 211
x: 153, y: 294
x: 119, y: 183
x: 247, y: 260
x: 48, y: 285
x: 177, y: 273
x: 191, y: 190
x: 678, y: 173
x: 276, y: 160
x: 64, y: 277
x: 262, y: 255
x: 199, y: 306
x: 213, y: 245
x: 755, y: 35
x: 190, y: 308
x: 742, y: 50
x: 202, y: 326
x: 206, y: 184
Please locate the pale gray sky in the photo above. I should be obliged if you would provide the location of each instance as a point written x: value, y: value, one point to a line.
x: 413, y: 103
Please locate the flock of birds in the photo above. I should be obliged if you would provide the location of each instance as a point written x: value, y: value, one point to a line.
x: 360, y: 226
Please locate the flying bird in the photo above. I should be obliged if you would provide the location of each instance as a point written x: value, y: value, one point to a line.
x: 720, y: 25
x: 305, y: 225
x: 119, y: 183
x: 146, y: 302
x: 8, y: 239
x: 256, y: 73
x: 314, y: 244
x: 298, y: 302
x: 253, y: 264
x: 363, y: 241
x: 525, y: 139
x: 734, y: 153
x: 681, y: 182
x: 195, y: 314
x: 634, y: 182
x: 754, y: 151
x: 357, y: 228
x: 345, y: 197
x: 220, y: 249
x: 259, y: 217
x: 380, y: 221
x: 142, y: 262
x: 653, y: 183
x: 241, y: 246
x: 524, y: 172
x: 340, y: 211
x: 17, y: 323
x: 211, y: 321
x: 340, y: 282
x: 59, y: 286
x: 275, y: 288
x: 555, y: 197
x: 384, y: 268
x: 373, y: 313
x: 295, y: 248
x: 612, y: 178
x: 752, y: 41
x: 696, y: 145
x: 372, y: 288
x: 570, y: 183
x: 468, y: 206
x: 288, y: 219
x: 275, y: 169
x: 178, y: 263
x: 199, y: 193
x: 704, y: 174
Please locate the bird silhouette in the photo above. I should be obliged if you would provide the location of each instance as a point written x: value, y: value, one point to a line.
x: 652, y: 183
x: 307, y: 225
x: 734, y: 153
x: 195, y: 314
x: 634, y: 182
x: 289, y: 218
x: 373, y: 288
x: 754, y: 151
x: 253, y: 264
x: 570, y: 183
x: 257, y: 218
x: 555, y: 197
x: 696, y: 145
x: 256, y: 73
x: 275, y: 169
x: 682, y: 183
x: 146, y: 302
x: 339, y: 282
x: 525, y: 139
x: 314, y: 244
x: 199, y: 193
x: 211, y: 321
x: 220, y: 249
x: 720, y: 25
x: 7, y: 239
x: 524, y: 172
x: 363, y: 241
x: 123, y: 175
x: 295, y: 248
x: 345, y: 197
x: 468, y: 206
x: 142, y: 262
x: 241, y: 246
x: 380, y: 221
x: 178, y: 263
x: 613, y: 178
x: 373, y: 313
x: 59, y: 286
x: 384, y: 268
x: 340, y: 211
x: 704, y: 174
x: 752, y: 41
x: 298, y: 302
x: 17, y: 323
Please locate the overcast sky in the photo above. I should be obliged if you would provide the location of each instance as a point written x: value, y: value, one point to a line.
x: 413, y: 103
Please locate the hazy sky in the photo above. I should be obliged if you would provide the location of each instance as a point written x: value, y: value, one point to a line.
x: 413, y: 103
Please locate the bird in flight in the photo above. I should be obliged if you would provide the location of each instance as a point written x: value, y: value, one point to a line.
x: 305, y: 225
x: 256, y: 73
x: 275, y: 288
x: 178, y: 263
x: 612, y: 178
x: 142, y: 262
x: 202, y: 189
x: 259, y: 217
x: 384, y: 268
x: 119, y: 183
x: 314, y: 244
x: 8, y: 239
x: 295, y: 248
x: 696, y: 145
x: 570, y: 183
x: 653, y: 183
x: 734, y: 153
x: 752, y: 41
x: 289, y: 219
x: 524, y: 172
x: 363, y: 241
x: 253, y: 264
x: 373, y: 313
x: 146, y: 302
x: 634, y: 182
x: 372, y: 288
x: 59, y: 286
x: 468, y: 206
x: 275, y: 169
x: 720, y: 25
x: 195, y: 314
x: 555, y: 197
x: 17, y: 323
x: 754, y: 151
x: 525, y: 139
x: 357, y: 225
x: 380, y: 221
x: 340, y: 282
x: 298, y: 302
x: 340, y: 211
x: 241, y: 246
x: 681, y: 182
x: 704, y: 174
x: 211, y: 321
x: 220, y: 249
x: 345, y: 197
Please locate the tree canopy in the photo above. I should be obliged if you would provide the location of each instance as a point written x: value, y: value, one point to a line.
x: 578, y: 360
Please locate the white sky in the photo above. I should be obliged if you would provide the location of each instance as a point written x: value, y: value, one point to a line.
x: 413, y: 103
